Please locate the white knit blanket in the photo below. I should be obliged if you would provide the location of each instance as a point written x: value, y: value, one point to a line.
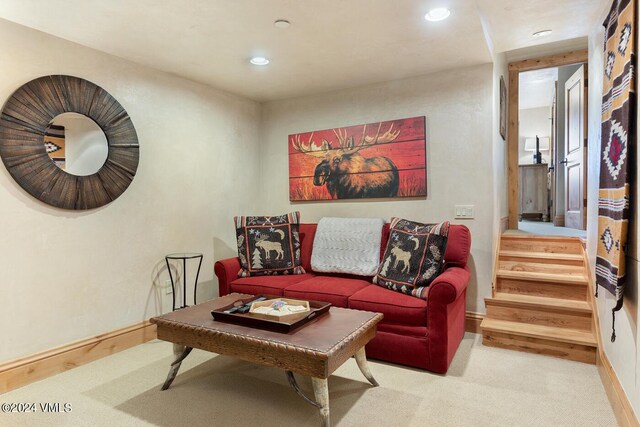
x: 347, y: 245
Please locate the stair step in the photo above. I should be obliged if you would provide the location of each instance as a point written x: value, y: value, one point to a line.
x: 541, y: 244
x: 532, y: 301
x: 576, y: 279
x: 538, y: 237
x: 535, y: 310
x: 536, y: 267
x: 543, y: 257
x: 549, y: 341
x: 540, y: 302
x: 538, y: 331
x: 518, y: 286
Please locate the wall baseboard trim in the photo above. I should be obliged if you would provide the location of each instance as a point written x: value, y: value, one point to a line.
x: 618, y: 399
x: 620, y: 403
x: 558, y: 221
x: 472, y: 322
x: 25, y: 370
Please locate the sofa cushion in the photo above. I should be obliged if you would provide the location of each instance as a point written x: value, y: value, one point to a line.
x: 335, y: 290
x: 307, y: 236
x: 271, y: 285
x: 385, y: 240
x: 268, y: 244
x: 414, y: 256
x: 396, y: 307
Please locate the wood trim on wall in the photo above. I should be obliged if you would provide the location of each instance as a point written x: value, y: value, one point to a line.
x: 620, y: 403
x: 567, y: 58
x: 512, y: 148
x: 515, y: 68
x: 558, y: 221
x: 618, y: 399
x: 496, y: 256
x: 25, y: 370
x: 472, y: 322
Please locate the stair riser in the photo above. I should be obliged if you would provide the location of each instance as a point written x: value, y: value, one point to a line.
x: 557, y: 261
x: 529, y: 245
x: 533, y: 267
x: 538, y: 316
x: 542, y: 289
x: 579, y: 353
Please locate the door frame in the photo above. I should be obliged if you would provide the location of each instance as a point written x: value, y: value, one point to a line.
x: 515, y: 68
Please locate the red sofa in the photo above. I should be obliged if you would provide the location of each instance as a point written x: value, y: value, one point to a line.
x: 414, y: 332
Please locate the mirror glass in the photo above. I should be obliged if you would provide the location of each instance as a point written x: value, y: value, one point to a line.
x: 76, y: 144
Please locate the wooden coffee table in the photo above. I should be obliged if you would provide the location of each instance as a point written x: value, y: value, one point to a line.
x: 316, y: 350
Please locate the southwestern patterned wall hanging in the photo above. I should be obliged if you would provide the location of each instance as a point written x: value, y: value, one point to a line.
x: 376, y: 160
x: 618, y: 145
x: 54, y: 143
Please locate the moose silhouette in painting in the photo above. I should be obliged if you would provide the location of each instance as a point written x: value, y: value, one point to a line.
x: 345, y: 172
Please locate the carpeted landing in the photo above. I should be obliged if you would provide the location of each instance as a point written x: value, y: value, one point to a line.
x: 484, y: 387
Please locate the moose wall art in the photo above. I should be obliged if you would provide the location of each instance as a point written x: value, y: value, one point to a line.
x: 376, y: 160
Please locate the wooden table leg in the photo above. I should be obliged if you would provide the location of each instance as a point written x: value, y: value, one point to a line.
x: 361, y: 360
x: 181, y: 352
x: 321, y: 391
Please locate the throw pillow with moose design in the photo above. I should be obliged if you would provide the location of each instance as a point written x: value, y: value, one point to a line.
x: 268, y: 244
x: 414, y: 256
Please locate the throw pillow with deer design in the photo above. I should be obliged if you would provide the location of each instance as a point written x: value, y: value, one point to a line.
x: 268, y: 244
x: 414, y: 256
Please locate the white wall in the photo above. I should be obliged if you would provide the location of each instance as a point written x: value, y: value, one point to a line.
x: 68, y: 275
x: 532, y: 122
x: 624, y: 353
x: 458, y: 108
x: 500, y: 159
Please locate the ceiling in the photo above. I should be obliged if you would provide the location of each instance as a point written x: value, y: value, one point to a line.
x: 536, y: 88
x: 512, y: 22
x: 331, y: 44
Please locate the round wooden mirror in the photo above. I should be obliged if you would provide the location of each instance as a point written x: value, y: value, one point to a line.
x: 26, y: 123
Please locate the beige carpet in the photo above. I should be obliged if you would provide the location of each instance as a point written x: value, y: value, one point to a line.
x: 484, y: 387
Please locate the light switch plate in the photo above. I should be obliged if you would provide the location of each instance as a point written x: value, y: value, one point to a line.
x: 464, y: 211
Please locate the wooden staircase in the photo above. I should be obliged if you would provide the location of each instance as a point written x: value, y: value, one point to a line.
x: 541, y: 301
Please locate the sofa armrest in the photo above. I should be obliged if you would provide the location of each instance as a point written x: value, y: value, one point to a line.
x: 447, y: 287
x: 446, y: 309
x: 227, y: 271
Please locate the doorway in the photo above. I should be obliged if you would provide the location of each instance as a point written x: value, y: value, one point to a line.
x: 547, y: 145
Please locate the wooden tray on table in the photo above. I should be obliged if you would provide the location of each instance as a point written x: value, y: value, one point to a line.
x: 285, y: 325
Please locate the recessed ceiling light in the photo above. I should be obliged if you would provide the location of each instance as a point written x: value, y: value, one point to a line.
x: 259, y: 60
x: 437, y: 14
x: 542, y: 33
x: 282, y: 23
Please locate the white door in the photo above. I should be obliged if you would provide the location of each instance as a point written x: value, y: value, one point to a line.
x: 575, y: 162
